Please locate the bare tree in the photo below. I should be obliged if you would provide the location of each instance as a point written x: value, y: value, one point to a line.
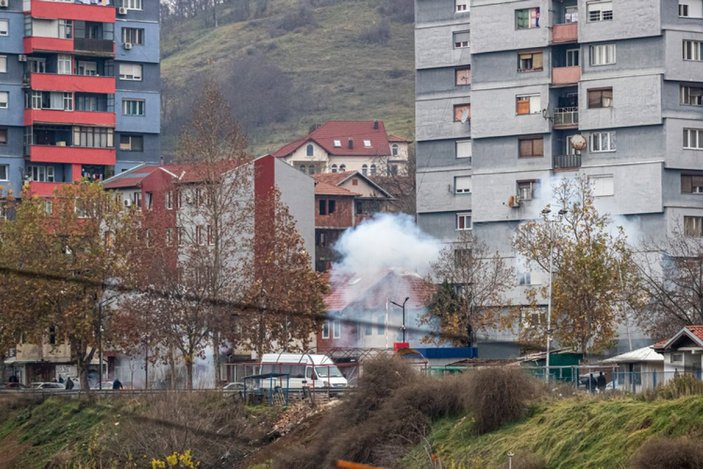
x: 470, y: 296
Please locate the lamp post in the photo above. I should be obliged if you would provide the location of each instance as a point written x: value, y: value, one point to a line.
x: 403, y: 307
x: 546, y: 213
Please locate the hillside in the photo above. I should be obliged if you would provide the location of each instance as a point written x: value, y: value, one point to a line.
x: 295, y: 64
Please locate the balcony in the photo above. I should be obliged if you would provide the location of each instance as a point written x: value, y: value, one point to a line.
x: 54, y: 116
x: 567, y: 162
x: 43, y: 189
x: 72, y: 155
x: 565, y: 33
x: 100, y: 47
x: 566, y: 117
x: 47, y: 44
x: 566, y: 75
x: 75, y: 83
x: 72, y: 11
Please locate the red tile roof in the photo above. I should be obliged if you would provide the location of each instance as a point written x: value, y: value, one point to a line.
x: 336, y: 179
x: 185, y: 172
x: 396, y: 139
x: 694, y: 331
x: 322, y: 188
x: 344, y: 131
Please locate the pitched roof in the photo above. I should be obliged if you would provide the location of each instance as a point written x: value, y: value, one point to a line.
x: 133, y: 177
x: 694, y: 332
x: 184, y: 172
x: 336, y: 179
x: 322, y: 188
x: 644, y: 354
x: 373, y: 294
x: 396, y: 139
x: 335, y: 137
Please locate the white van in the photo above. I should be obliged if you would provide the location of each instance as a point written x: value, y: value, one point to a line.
x: 305, y: 370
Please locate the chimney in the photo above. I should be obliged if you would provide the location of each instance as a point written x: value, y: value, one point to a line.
x: 350, y: 144
x: 375, y: 124
x: 161, y: 160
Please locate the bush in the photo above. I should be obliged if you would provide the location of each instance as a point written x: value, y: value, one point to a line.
x: 497, y: 396
x: 526, y: 460
x: 380, y: 33
x: 680, y: 386
x: 668, y: 453
x: 302, y: 17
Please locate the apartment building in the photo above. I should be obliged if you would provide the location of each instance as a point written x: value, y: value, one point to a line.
x: 79, y: 90
x: 611, y: 90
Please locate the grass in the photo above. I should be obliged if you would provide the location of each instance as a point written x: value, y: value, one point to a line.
x: 585, y: 433
x: 336, y: 76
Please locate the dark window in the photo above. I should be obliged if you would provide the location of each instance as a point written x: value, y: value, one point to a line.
x: 531, y: 146
x: 599, y: 98
x: 3, y: 136
x: 529, y: 61
x: 691, y: 184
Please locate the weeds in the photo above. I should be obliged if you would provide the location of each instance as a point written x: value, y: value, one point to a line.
x: 668, y: 453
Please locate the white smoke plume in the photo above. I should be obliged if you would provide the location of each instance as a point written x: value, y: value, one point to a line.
x: 386, y: 242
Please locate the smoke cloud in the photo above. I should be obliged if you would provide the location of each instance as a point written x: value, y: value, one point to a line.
x: 386, y: 242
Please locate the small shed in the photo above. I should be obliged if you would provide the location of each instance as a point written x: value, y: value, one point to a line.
x: 637, y: 370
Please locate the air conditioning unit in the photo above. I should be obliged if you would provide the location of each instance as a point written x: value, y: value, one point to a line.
x: 4, y: 3
x: 21, y: 57
x: 127, y: 45
x: 120, y: 10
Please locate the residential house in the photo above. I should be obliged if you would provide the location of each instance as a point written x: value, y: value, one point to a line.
x: 342, y: 201
x: 339, y: 146
x: 683, y: 352
x: 637, y: 370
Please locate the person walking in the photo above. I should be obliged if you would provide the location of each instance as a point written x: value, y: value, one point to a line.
x: 117, y: 385
x: 601, y: 382
x: 69, y: 384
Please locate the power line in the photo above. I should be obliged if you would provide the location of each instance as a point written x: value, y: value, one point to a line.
x: 239, y: 307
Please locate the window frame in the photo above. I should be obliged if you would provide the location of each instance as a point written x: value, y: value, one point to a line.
x: 4, y: 104
x: 463, y: 221
x: 595, y: 177
x: 461, y: 44
x: 532, y: 140
x: 533, y: 68
x: 462, y: 189
x: 459, y: 112
x: 533, y: 16
x: 603, y: 54
x: 4, y: 131
x: 466, y: 143
x: 692, y: 224
x: 4, y: 27
x: 466, y: 80
x: 531, y: 108
x: 601, y: 102
x: 688, y: 99
x: 600, y: 137
x: 6, y: 169
x: 687, y: 133
x: 692, y: 50
x: 602, y: 12
x: 129, y: 104
x: 530, y: 185
x: 131, y: 76
x: 462, y: 6
x: 694, y: 184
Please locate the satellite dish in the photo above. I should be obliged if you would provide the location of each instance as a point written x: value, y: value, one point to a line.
x: 578, y: 142
x: 464, y: 116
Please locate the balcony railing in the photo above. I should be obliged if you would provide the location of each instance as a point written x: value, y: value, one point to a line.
x: 566, y: 75
x: 567, y: 161
x: 566, y: 117
x: 99, y: 46
x: 563, y: 33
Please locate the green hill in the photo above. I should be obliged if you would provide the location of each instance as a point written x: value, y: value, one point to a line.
x: 295, y: 65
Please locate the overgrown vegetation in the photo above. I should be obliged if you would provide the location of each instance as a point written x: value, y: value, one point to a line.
x: 669, y: 453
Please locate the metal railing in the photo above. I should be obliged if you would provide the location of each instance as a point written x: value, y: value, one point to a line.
x: 564, y: 116
x: 567, y: 161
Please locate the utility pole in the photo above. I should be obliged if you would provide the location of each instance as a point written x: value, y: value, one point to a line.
x: 100, y: 345
x: 546, y: 212
x: 403, y: 328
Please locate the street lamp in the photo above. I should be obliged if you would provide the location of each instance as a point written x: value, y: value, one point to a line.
x: 403, y: 307
x: 546, y: 213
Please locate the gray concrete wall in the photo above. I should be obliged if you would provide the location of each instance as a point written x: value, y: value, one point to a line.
x: 429, y: 11
x: 631, y: 19
x: 493, y: 26
x: 676, y: 155
x: 675, y: 67
x: 495, y: 112
x: 440, y: 154
x: 501, y: 69
x: 435, y: 191
x: 435, y: 119
x: 438, y: 49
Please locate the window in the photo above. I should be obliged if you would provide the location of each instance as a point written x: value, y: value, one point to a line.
x: 210, y: 235
x: 462, y: 113
x: 676, y: 357
x: 462, y: 6
x: 134, y: 36
x: 462, y: 76
x: 336, y: 329
x: 93, y: 137
x: 372, y: 170
x: 693, y: 227
x: 692, y: 50
x: 3, y: 64
x: 526, y: 189
x: 530, y: 146
x: 68, y: 101
x: 342, y: 168
x: 531, y: 317
x: 463, y: 149
x: 367, y: 143
x: 527, y: 18
x: 463, y: 221
x: 692, y: 95
x: 40, y: 173
x: 529, y: 61
x: 337, y: 143
x: 381, y: 325
x: 364, y: 169
x: 87, y: 68
x: 573, y: 57
x: 599, y: 11
x: 132, y: 4
x: 602, y: 142
x: 149, y: 197
x: 137, y: 198
x: 691, y: 184
x: 524, y: 273
x: 327, y: 207
x: 461, y: 39
x: 4, y: 99
x: 599, y: 98
x: 133, y: 107
x: 603, y: 54
x: 693, y: 139
x: 131, y: 142
x: 37, y: 65
x: 602, y: 185
x: 530, y: 104
x: 326, y: 330
x: 199, y: 235
x: 394, y: 149
x: 131, y: 72
x: 333, y: 168
x: 4, y: 172
x: 309, y: 149
x: 691, y: 8
x: 4, y: 27
x: 66, y: 29
x: 462, y: 185
x: 3, y: 136
x: 169, y: 236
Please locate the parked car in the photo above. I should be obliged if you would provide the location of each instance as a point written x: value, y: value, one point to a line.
x: 233, y: 389
x: 48, y: 386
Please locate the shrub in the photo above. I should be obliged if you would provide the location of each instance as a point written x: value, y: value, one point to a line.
x: 668, y: 453
x: 380, y: 33
x: 299, y: 18
x: 680, y: 386
x: 497, y: 396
